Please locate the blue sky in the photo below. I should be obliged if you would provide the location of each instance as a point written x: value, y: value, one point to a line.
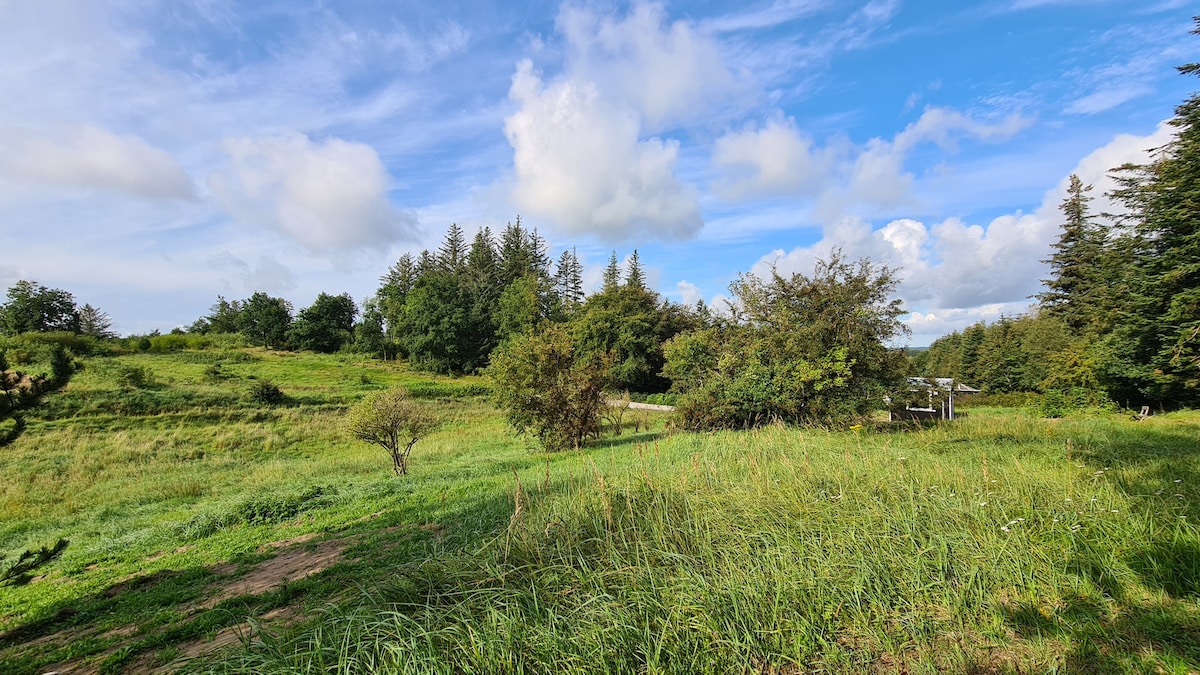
x: 156, y: 154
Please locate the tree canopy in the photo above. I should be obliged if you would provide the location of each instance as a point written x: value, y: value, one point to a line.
x: 34, y: 308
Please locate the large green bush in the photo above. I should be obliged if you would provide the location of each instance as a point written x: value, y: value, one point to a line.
x: 550, y: 388
x: 807, y: 350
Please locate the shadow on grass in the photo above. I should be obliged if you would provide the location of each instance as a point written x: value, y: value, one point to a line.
x: 1121, y: 628
x: 628, y: 440
x: 136, y: 618
x: 1115, y: 635
x: 1152, y: 462
x: 11, y: 429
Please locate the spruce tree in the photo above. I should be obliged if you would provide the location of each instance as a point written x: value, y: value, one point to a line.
x: 452, y: 255
x: 1076, y: 266
x: 612, y: 275
x: 636, y: 277
x: 1156, y: 345
x: 569, y: 279
x: 515, y: 258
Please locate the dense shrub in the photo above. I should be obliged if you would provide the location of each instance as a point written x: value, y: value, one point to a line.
x: 266, y: 392
x: 276, y: 508
x: 805, y: 350
x: 1062, y: 402
x: 550, y: 388
x: 134, y: 377
x: 1016, y: 399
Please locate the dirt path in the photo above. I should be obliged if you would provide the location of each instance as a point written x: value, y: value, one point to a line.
x: 294, y: 559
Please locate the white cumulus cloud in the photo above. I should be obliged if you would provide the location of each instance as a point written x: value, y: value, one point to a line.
x: 779, y: 159
x: 330, y: 196
x: 775, y: 158
x: 954, y: 273
x: 580, y: 162
x: 91, y: 158
x: 689, y: 292
x: 667, y: 72
x: 590, y: 149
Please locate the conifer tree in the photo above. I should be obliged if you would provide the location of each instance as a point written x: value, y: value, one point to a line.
x: 394, y: 289
x: 452, y: 255
x: 635, y: 278
x: 427, y: 263
x: 1076, y: 265
x: 515, y: 258
x: 1155, y: 344
x: 612, y: 275
x: 569, y: 279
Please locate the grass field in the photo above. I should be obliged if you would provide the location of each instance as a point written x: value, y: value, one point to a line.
x: 210, y: 533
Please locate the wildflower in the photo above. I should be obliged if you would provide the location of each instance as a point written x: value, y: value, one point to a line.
x: 983, y: 503
x: 1004, y: 529
x: 1178, y: 480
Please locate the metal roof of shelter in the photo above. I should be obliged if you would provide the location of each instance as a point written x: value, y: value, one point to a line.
x: 943, y: 383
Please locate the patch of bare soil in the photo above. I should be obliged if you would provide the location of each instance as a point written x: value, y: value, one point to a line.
x: 291, y: 564
x: 297, y: 559
x: 227, y: 637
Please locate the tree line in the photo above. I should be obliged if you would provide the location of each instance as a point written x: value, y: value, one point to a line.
x: 1119, y: 315
x: 448, y: 310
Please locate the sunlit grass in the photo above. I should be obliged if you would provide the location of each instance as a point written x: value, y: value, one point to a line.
x: 1002, y: 542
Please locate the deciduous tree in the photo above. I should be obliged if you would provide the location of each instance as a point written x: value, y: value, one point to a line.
x: 34, y: 308
x: 394, y: 421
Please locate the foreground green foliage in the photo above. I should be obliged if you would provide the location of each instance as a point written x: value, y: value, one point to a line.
x: 1002, y: 542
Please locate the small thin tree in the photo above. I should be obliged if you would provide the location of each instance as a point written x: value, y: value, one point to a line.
x: 394, y: 421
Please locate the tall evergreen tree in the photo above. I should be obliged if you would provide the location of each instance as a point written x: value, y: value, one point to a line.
x: 635, y: 277
x: 1076, y: 266
x: 482, y: 293
x: 569, y: 279
x: 1156, y: 344
x: 612, y: 274
x: 427, y: 263
x: 516, y: 260
x: 392, y: 296
x: 539, y: 255
x: 96, y: 323
x: 452, y: 255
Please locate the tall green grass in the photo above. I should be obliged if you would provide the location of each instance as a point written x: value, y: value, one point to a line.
x: 999, y: 543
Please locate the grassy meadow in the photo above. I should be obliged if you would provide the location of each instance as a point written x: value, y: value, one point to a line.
x: 211, y: 533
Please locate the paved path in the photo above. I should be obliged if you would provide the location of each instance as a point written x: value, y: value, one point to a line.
x: 643, y: 406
